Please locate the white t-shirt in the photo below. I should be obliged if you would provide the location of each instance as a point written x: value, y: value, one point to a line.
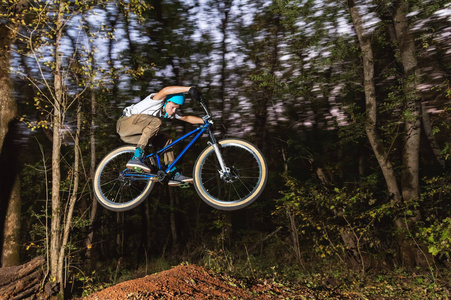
x: 148, y: 106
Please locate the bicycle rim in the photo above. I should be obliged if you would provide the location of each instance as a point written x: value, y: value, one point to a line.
x: 247, y: 179
x: 116, y: 187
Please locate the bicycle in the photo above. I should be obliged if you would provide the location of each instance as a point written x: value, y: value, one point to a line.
x: 229, y: 174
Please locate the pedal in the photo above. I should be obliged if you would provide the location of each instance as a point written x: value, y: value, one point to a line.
x: 154, y: 178
x: 138, y: 170
x: 184, y: 185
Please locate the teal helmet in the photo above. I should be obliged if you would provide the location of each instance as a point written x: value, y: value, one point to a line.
x: 176, y: 98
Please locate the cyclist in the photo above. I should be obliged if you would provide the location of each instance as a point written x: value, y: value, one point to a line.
x: 142, y: 121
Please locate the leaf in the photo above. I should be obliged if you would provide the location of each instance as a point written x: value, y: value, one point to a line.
x: 433, y: 250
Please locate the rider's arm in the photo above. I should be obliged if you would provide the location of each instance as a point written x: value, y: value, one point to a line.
x: 169, y: 90
x: 192, y: 119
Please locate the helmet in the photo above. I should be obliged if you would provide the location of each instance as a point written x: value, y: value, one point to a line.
x: 176, y: 98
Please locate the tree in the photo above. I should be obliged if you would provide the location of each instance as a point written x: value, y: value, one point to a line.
x: 47, y: 29
x: 57, y: 124
x: 11, y: 15
x: 61, y: 81
x: 412, y: 123
x: 407, y: 190
x: 265, y: 55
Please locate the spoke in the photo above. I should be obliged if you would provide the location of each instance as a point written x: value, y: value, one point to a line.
x: 239, y: 197
x: 108, y: 182
x: 244, y: 184
x: 139, y: 190
x: 214, y: 173
x: 204, y: 182
x: 212, y: 189
x: 250, y: 168
x: 111, y: 189
x: 118, y: 190
x: 214, y: 162
x: 230, y: 191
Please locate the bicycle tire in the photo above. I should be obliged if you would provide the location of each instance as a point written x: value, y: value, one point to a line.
x: 117, y: 188
x: 248, y: 169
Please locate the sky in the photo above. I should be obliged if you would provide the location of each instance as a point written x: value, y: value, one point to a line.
x: 208, y: 20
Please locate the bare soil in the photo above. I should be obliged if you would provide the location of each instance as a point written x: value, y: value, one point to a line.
x: 194, y: 282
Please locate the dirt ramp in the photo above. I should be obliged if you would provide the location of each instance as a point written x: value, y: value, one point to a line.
x: 181, y: 282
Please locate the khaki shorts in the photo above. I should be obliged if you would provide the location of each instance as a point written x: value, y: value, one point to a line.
x: 139, y: 129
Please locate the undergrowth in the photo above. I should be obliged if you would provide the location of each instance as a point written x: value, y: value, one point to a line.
x: 326, y: 279
x: 329, y: 279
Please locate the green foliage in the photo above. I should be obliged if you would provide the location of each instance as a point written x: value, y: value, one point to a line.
x: 218, y: 260
x: 336, y: 221
x: 438, y: 237
x: 435, y: 230
x: 355, y: 131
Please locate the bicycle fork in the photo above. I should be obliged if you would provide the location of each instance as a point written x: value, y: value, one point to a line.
x: 225, y: 171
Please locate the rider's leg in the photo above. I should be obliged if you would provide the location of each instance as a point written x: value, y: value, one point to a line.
x: 161, y: 141
x: 138, y: 129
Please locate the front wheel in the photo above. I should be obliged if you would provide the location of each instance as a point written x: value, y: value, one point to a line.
x: 242, y: 183
x: 116, y: 187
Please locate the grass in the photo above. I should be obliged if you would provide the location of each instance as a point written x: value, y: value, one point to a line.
x: 320, y: 280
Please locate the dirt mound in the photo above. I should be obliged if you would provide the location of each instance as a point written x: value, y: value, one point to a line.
x: 191, y: 282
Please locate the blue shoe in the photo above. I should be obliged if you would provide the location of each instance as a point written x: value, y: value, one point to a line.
x: 179, y: 178
x: 136, y: 163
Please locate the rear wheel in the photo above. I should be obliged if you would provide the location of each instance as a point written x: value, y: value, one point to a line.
x: 242, y: 183
x: 116, y: 187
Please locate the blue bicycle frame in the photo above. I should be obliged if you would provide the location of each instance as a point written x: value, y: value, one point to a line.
x: 199, y: 130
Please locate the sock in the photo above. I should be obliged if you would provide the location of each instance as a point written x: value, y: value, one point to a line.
x: 138, y: 152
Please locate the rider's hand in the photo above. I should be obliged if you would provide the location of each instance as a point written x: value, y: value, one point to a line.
x: 195, y: 93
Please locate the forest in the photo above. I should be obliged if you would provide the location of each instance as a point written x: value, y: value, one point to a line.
x: 349, y: 102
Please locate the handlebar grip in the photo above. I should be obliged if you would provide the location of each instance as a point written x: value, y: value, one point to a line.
x: 196, y: 94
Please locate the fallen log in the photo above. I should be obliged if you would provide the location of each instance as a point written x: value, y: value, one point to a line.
x: 22, y: 281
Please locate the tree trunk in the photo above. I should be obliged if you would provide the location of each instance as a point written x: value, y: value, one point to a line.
x: 73, y: 199
x: 376, y: 143
x: 23, y: 281
x: 147, y: 227
x: 173, y: 221
x: 265, y: 93
x: 56, y: 150
x: 8, y: 34
x: 8, y: 112
x: 11, y: 239
x: 412, y: 126
x: 8, y: 107
x: 113, y: 18
x: 223, y: 97
x: 294, y: 235
x: 92, y: 217
x: 120, y: 235
x: 371, y: 105
x: 410, y: 173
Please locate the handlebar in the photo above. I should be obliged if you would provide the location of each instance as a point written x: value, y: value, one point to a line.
x: 197, y: 95
x: 204, y: 106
